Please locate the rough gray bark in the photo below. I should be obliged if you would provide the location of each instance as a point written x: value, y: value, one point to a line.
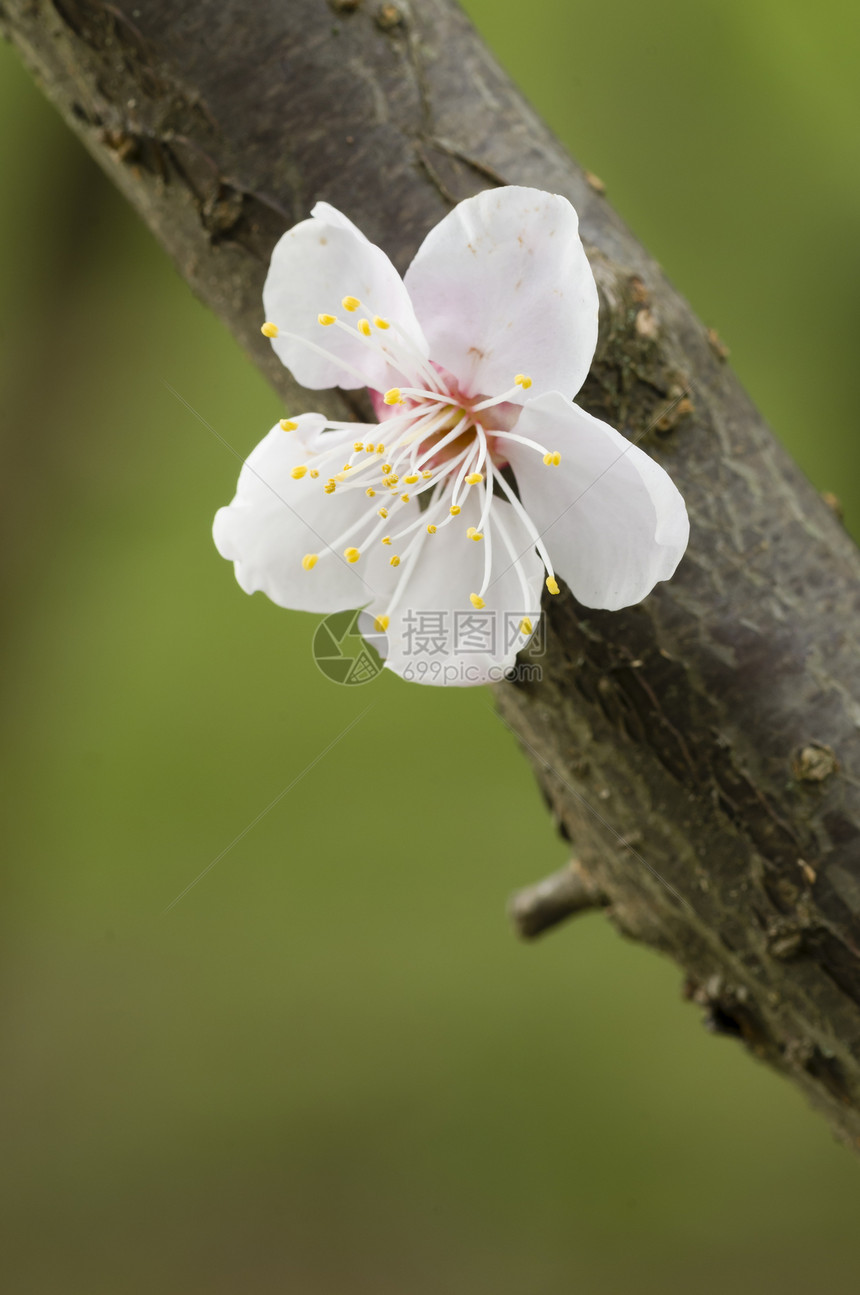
x: 697, y: 749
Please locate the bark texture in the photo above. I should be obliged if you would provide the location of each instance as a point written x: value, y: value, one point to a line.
x: 700, y: 750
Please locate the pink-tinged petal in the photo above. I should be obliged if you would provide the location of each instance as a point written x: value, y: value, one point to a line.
x: 502, y: 287
x: 613, y: 521
x: 314, y: 266
x: 435, y: 635
x: 275, y: 520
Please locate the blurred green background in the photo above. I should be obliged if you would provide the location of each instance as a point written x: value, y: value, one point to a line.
x: 330, y: 1068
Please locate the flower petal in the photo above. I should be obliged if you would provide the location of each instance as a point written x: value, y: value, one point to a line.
x: 502, y: 286
x: 274, y: 520
x: 612, y: 520
x: 434, y: 634
x: 314, y: 266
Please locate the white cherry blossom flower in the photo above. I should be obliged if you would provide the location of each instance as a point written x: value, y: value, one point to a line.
x: 482, y: 482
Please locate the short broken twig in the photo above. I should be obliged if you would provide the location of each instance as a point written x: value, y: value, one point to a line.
x: 537, y: 908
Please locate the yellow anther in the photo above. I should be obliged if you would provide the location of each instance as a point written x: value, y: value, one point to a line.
x: 381, y: 323
x: 395, y: 561
x: 298, y: 472
x: 380, y: 449
x: 547, y: 458
x: 523, y: 380
x: 325, y: 320
x: 359, y: 445
x: 386, y: 539
x: 351, y: 555
x: 386, y: 467
x: 347, y: 467
x: 477, y: 601
x: 310, y: 560
x: 269, y: 330
x: 405, y: 498
x: 411, y: 479
x: 313, y: 473
x: 474, y: 534
x: 426, y: 474
x: 431, y: 529
x: 474, y: 478
x: 369, y: 448
x: 393, y: 397
x: 370, y: 492
x: 525, y: 625
x: 455, y: 510
x: 350, y: 303
x: 383, y: 513
x: 552, y: 585
x: 556, y: 458
x: 287, y: 425
x: 363, y: 327
x: 330, y: 487
x: 381, y: 624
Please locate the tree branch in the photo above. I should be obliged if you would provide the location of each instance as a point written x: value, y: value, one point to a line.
x: 700, y: 749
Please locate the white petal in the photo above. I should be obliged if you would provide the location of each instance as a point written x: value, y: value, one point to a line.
x: 612, y: 520
x: 435, y: 635
x: 274, y: 520
x: 502, y: 286
x: 314, y: 266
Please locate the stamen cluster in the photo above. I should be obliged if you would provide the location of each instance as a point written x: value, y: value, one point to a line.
x: 439, y: 445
